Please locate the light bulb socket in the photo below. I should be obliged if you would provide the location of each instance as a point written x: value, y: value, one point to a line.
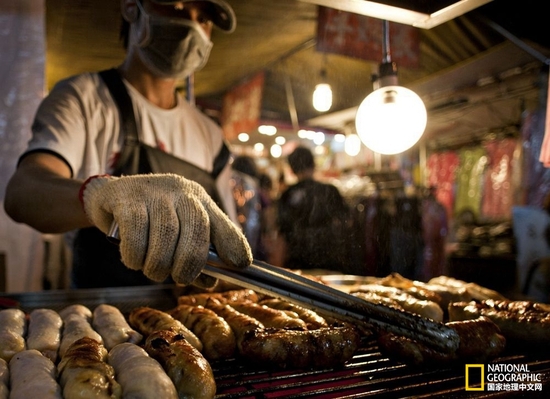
x: 387, y: 75
x: 387, y: 69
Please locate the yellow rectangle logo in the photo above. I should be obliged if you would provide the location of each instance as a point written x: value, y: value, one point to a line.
x: 475, y: 377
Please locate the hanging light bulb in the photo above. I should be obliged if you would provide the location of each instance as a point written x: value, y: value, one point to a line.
x: 392, y: 118
x: 322, y: 95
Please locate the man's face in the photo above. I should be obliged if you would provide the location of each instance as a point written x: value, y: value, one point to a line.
x: 198, y: 11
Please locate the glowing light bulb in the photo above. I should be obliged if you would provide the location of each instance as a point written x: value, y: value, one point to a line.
x: 322, y: 97
x: 391, y: 120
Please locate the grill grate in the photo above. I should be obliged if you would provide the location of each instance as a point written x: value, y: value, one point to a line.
x: 368, y: 374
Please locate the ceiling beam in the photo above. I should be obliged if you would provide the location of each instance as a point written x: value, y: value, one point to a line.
x: 402, y: 15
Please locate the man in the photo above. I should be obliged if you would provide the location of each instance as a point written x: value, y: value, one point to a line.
x: 166, y: 222
x: 311, y: 217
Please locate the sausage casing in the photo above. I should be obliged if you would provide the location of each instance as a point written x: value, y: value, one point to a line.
x: 13, y: 328
x: 76, y: 325
x: 110, y: 323
x: 33, y: 375
x: 140, y: 376
x: 239, y: 322
x: 44, y: 333
x: 223, y: 297
x: 187, y: 368
x: 148, y: 320
x: 4, y: 379
x: 269, y: 317
x: 324, y: 347
x: 214, y: 332
x: 312, y: 319
x: 83, y: 372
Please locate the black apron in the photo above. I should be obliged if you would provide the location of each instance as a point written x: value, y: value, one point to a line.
x: 96, y: 261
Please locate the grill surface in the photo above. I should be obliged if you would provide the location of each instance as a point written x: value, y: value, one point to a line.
x: 369, y: 374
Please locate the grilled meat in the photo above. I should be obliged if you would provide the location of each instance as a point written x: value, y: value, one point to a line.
x: 140, y: 376
x: 148, y: 320
x: 13, y: 327
x: 32, y: 375
x: 239, y: 322
x: 521, y: 322
x: 110, y: 323
x: 44, y: 332
x: 76, y: 325
x: 476, y: 291
x: 83, y: 372
x: 269, y: 317
x: 439, y: 293
x: 324, y: 347
x: 480, y: 340
x: 223, y: 297
x: 312, y: 319
x: 187, y: 368
x: 4, y: 379
x: 428, y: 309
x: 213, y: 331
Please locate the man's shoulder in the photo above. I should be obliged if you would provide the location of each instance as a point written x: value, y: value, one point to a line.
x: 81, y: 85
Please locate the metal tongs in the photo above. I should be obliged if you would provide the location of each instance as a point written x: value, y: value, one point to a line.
x: 284, y: 284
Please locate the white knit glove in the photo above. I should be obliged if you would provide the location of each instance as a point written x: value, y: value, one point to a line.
x: 166, y: 224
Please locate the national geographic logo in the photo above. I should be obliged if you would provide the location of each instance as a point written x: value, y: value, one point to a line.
x: 475, y: 377
x: 502, y: 377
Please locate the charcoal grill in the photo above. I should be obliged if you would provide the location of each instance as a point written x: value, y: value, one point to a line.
x: 370, y: 373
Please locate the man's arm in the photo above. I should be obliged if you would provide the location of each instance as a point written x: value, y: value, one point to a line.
x: 42, y: 194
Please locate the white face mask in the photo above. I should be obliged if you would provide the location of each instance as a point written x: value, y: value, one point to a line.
x: 171, y: 47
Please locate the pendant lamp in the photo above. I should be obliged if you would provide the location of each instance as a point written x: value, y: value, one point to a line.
x: 392, y: 118
x: 322, y: 95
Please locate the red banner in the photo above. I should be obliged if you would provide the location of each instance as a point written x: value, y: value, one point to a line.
x: 241, y: 107
x: 359, y: 36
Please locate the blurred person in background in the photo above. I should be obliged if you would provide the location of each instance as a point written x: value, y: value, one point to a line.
x: 246, y: 192
x: 311, y: 220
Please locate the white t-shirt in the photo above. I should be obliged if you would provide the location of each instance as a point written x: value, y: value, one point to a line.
x: 79, y: 121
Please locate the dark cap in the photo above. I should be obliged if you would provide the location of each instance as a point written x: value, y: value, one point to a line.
x: 224, y: 16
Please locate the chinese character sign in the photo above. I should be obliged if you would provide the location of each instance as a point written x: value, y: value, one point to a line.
x: 359, y: 36
x: 242, y: 106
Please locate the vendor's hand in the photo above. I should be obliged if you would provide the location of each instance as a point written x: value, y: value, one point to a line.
x: 166, y: 224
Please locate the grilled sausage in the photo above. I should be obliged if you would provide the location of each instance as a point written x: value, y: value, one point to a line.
x: 312, y: 319
x: 239, y: 322
x: 217, y: 338
x: 187, y: 368
x: 269, y: 317
x: 76, y: 325
x: 4, y: 379
x: 476, y: 291
x: 324, y: 347
x: 223, y: 297
x: 110, y: 323
x: 13, y: 327
x: 148, y: 320
x: 480, y: 340
x: 33, y: 375
x: 428, y: 309
x: 525, y: 323
x: 44, y: 332
x: 140, y: 376
x: 83, y: 372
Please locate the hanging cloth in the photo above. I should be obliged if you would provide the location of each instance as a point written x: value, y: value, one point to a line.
x: 470, y: 180
x: 545, y: 149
